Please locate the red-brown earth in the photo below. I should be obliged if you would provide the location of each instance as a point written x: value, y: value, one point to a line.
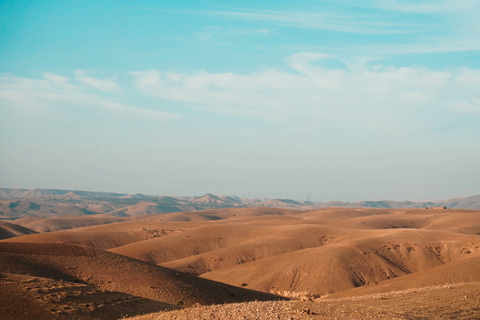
x: 159, y: 262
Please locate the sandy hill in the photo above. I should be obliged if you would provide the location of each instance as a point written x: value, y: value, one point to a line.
x: 459, y: 301
x: 144, y: 208
x: 66, y: 222
x: 224, y: 213
x: 214, y: 245
x: 135, y: 229
x: 337, y: 267
x: 362, y: 246
x: 32, y: 297
x: 459, y: 221
x: 10, y: 230
x: 106, y: 236
x: 325, y: 253
x: 457, y: 272
x: 112, y: 272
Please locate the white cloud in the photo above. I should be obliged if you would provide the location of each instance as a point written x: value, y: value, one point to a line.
x: 424, y: 7
x: 318, y: 20
x: 426, y: 26
x: 59, y: 91
x: 365, y: 92
x: 56, y: 79
x: 99, y: 84
x: 211, y: 32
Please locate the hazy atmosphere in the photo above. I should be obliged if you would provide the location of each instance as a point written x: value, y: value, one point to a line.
x: 325, y: 100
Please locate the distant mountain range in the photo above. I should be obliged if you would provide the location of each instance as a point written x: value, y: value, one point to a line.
x: 20, y: 203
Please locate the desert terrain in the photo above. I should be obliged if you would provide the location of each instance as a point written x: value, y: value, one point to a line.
x: 80, y: 255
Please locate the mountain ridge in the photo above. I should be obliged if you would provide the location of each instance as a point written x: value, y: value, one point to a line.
x: 44, y: 203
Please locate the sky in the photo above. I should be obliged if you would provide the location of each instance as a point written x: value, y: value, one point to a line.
x: 320, y: 100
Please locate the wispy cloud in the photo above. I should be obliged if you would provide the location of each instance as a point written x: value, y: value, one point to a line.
x: 211, y: 32
x: 60, y: 91
x: 456, y: 18
x: 99, y: 84
x: 436, y: 26
x: 305, y: 95
x: 384, y: 97
x: 421, y: 7
x: 380, y: 51
x: 318, y: 20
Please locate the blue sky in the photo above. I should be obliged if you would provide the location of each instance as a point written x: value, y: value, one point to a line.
x: 337, y: 100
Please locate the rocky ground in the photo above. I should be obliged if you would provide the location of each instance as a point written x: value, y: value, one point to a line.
x: 461, y: 301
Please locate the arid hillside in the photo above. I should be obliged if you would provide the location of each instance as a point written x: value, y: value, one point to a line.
x: 29, y: 207
x: 9, y: 230
x: 65, y: 279
x: 327, y: 257
x: 458, y: 301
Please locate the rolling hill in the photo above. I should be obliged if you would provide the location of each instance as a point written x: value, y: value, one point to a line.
x: 81, y: 266
x: 44, y: 203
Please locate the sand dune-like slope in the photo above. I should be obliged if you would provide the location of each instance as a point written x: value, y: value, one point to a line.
x: 350, y: 218
x: 113, y: 272
x: 10, y: 230
x: 235, y: 237
x: 144, y: 208
x: 457, y: 272
x: 106, y: 236
x: 331, y: 252
x: 317, y: 252
x: 458, y: 221
x: 223, y: 214
x: 459, y: 301
x: 66, y: 222
x: 461, y: 221
x: 261, y: 236
x: 340, y: 266
x: 109, y: 234
x: 223, y: 243
x: 30, y: 297
x: 251, y: 242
